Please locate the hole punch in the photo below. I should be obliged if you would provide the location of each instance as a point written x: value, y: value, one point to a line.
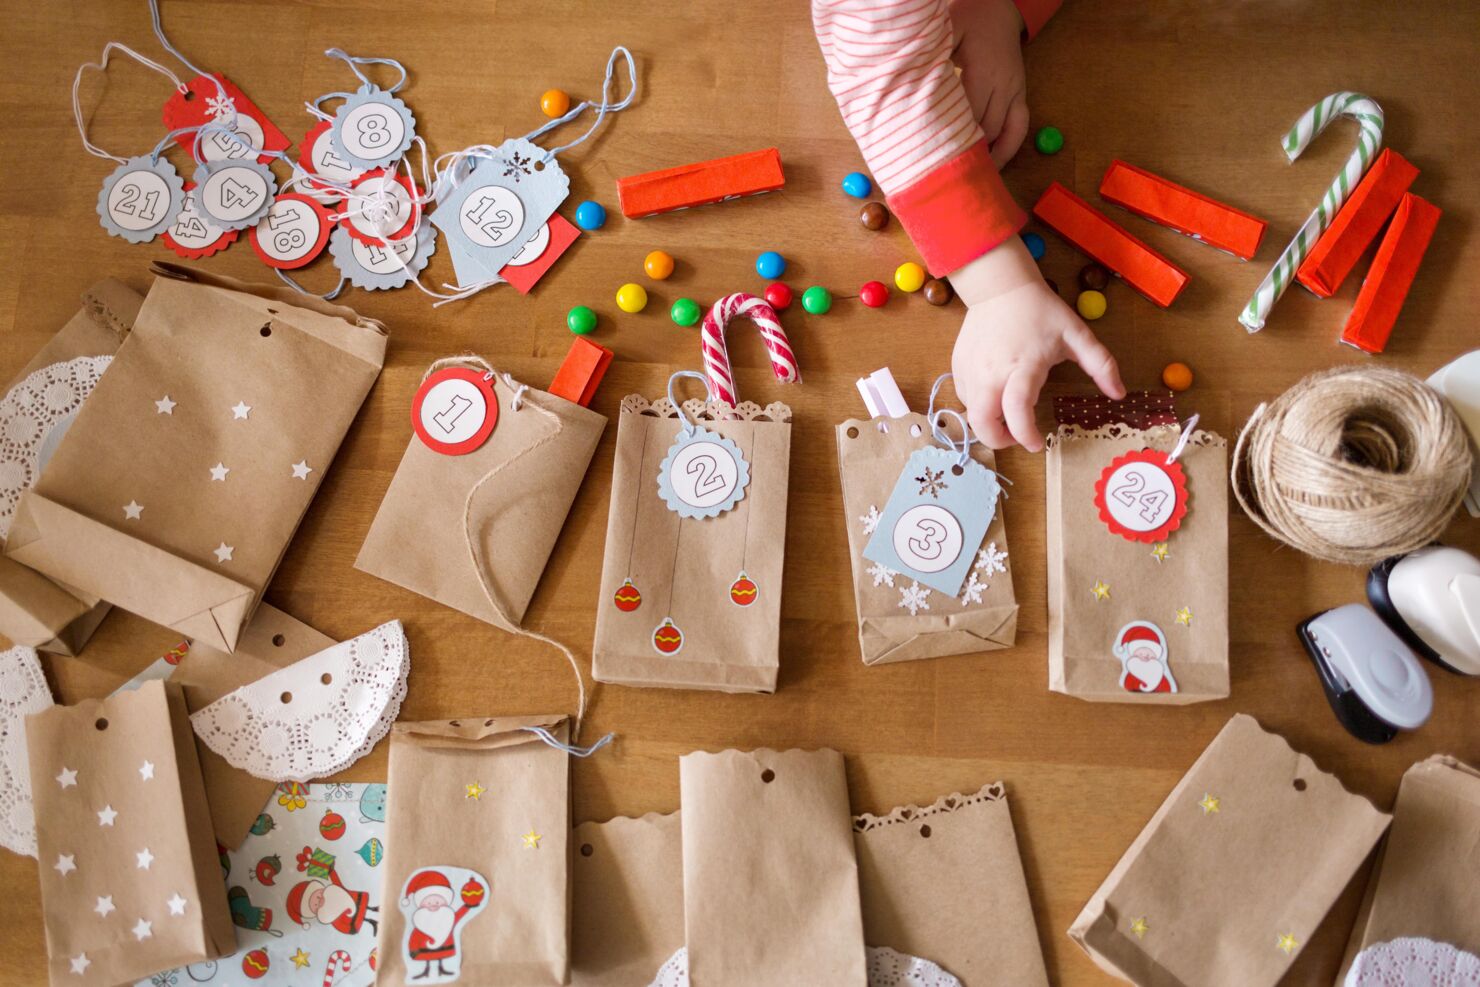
x: 488, y: 723
x: 768, y: 776
x: 915, y: 431
x: 454, y: 723
x: 957, y: 470
x: 587, y: 849
x: 326, y: 678
x: 265, y: 331
x: 925, y: 830
x: 1299, y: 784
x: 852, y: 432
x: 278, y: 640
x: 101, y: 723
x: 286, y: 698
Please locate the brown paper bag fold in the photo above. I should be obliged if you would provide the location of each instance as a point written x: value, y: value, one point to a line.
x: 944, y: 882
x: 208, y: 344
x: 520, y: 933
x: 1234, y: 872
x: 136, y: 790
x: 627, y: 900
x: 870, y: 457
x: 770, y: 880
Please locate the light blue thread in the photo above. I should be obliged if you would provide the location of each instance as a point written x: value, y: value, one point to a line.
x: 571, y: 749
x: 327, y: 296
x: 602, y: 108
x: 968, y: 437
x: 354, y: 62
x: 165, y: 42
x: 689, y: 428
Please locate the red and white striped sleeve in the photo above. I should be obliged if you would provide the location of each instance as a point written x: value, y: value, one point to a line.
x: 889, y: 67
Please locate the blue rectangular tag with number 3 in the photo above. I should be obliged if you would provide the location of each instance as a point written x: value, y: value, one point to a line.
x: 935, y: 519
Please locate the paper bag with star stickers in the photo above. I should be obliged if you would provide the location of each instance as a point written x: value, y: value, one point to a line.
x: 183, y: 477
x: 1137, y: 554
x: 476, y: 875
x: 130, y: 878
x: 1234, y: 872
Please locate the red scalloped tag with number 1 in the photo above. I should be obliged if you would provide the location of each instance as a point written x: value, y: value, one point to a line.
x: 1141, y: 496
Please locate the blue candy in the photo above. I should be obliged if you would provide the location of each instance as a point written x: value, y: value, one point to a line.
x: 770, y: 265
x: 856, y: 184
x: 1035, y: 245
x: 590, y: 215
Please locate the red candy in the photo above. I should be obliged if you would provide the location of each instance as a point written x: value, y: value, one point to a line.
x: 873, y: 294
x: 778, y: 295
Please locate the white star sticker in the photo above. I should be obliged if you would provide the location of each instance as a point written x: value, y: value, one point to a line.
x: 164, y: 406
x: 64, y: 864
x: 223, y: 552
x: 80, y: 963
x: 177, y: 904
x: 146, y: 770
x: 301, y: 469
x: 241, y: 410
x: 219, y: 471
x: 132, y: 510
x: 67, y: 778
x: 107, y: 815
x: 145, y: 858
x: 143, y: 930
x: 104, y: 905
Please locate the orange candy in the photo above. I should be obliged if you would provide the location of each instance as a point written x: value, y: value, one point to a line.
x: 555, y: 103
x: 658, y: 265
x: 1177, y: 376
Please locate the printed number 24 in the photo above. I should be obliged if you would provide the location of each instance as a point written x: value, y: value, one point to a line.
x: 1134, y: 490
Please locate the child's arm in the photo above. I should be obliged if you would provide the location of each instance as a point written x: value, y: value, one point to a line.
x: 921, y: 132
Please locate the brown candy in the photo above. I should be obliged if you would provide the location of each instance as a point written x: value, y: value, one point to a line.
x: 1093, y: 277
x: 874, y: 216
x: 937, y: 292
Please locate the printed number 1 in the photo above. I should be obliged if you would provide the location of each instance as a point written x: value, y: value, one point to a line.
x: 447, y: 418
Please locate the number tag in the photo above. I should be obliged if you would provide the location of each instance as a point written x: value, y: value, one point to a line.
x: 317, y: 155
x: 454, y: 410
x: 233, y: 194
x: 374, y: 266
x: 540, y: 254
x: 372, y: 129
x: 292, y: 233
x: 381, y: 206
x: 500, y: 206
x: 192, y: 236
x: 140, y: 199
x: 1142, y: 497
x: 935, y: 519
x: 202, y: 103
x: 703, y: 475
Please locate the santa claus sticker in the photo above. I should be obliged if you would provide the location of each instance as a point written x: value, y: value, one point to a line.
x: 435, y: 916
x: 324, y: 900
x: 1144, y: 662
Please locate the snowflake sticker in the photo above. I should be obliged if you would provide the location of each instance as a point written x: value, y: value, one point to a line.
x: 883, y: 576
x: 972, y: 591
x: 870, y: 521
x: 913, y: 597
x: 220, y: 106
x: 932, y: 482
x: 990, y: 560
x: 516, y: 166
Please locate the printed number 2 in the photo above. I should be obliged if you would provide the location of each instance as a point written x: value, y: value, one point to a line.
x: 932, y: 535
x: 1129, y: 492
x: 709, y: 479
x: 129, y: 204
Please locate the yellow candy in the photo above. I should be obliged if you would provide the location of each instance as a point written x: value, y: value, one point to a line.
x: 658, y: 264
x: 631, y: 298
x: 555, y: 103
x: 1091, y: 305
x: 909, y: 277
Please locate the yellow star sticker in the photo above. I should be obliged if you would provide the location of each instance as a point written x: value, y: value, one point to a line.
x: 1101, y: 590
x: 1184, y: 616
x: 1288, y: 943
x: 1209, y: 803
x: 300, y: 959
x: 1140, y: 927
x: 475, y: 791
x: 1160, y: 553
x: 531, y: 840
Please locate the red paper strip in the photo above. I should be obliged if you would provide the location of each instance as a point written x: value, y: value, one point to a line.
x: 522, y: 272
x: 1356, y: 225
x: 1393, y: 269
x: 201, y: 103
x: 579, y: 375
x: 1183, y: 210
x: 700, y: 183
x: 1092, y: 232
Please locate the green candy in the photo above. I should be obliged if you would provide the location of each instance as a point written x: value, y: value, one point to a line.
x: 817, y: 300
x: 685, y: 312
x: 581, y: 320
x: 1049, y: 140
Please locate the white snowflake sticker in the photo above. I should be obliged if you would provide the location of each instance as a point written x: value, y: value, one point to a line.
x: 972, y: 591
x: 913, y: 597
x: 870, y: 522
x: 883, y: 576
x: 990, y: 560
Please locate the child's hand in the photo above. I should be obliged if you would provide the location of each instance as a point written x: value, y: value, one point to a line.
x: 987, y: 38
x: 1016, y: 330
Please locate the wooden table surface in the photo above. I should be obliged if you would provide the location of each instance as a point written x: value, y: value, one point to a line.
x: 1199, y: 92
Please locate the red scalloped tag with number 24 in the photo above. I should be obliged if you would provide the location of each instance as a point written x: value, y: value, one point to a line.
x: 1141, y: 496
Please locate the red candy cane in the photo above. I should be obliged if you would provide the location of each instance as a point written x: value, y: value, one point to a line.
x: 343, y: 959
x: 717, y: 357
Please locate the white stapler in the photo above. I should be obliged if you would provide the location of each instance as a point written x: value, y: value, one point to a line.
x: 1459, y: 382
x: 1431, y: 597
x: 1374, y: 684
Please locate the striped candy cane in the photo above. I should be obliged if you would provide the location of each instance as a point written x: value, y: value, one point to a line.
x: 717, y: 357
x: 1369, y: 117
x: 341, y: 957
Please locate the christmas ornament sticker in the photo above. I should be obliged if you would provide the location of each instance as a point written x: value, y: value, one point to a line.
x: 372, y: 128
x: 667, y: 638
x: 436, y: 915
x: 192, y: 236
x: 454, y: 410
x: 627, y: 598
x: 1144, y: 659
x: 293, y: 232
x: 233, y: 194
x: 743, y: 591
x: 141, y: 198
x: 379, y: 266
x: 318, y: 156
x: 1142, y: 495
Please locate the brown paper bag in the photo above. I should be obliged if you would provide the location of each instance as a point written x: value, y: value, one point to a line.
x: 770, y: 880
x: 871, y: 455
x: 35, y: 611
x: 1234, y: 872
x: 272, y: 640
x: 1427, y: 880
x: 1163, y: 604
x: 130, y: 880
x: 479, y: 816
x: 184, y: 476
x: 626, y: 900
x: 944, y: 883
x: 521, y: 481
x: 693, y: 603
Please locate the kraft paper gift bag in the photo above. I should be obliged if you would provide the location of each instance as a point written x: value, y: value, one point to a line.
x: 627, y: 900
x: 898, y: 618
x: 183, y: 477
x: 770, y: 879
x: 38, y: 407
x: 1234, y: 872
x: 1137, y: 554
x: 130, y: 879
x: 510, y: 494
x: 476, y: 875
x: 944, y: 883
x: 1421, y: 911
x: 695, y: 539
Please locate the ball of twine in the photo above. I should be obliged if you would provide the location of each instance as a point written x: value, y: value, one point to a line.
x: 1353, y: 465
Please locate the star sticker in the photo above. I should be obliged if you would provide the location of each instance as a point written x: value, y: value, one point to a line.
x: 164, y: 406
x: 143, y: 929
x: 223, y: 552
x: 301, y: 469
x: 67, y: 778
x: 107, y: 815
x: 300, y: 958
x: 1184, y: 616
x: 219, y: 471
x: 1160, y: 553
x: 146, y: 771
x: 240, y: 411
x: 1140, y: 927
x: 132, y: 510
x: 145, y: 858
x: 177, y: 904
x: 80, y: 963
x: 1288, y: 943
x: 104, y: 905
x: 65, y: 864
x: 531, y: 840
x: 475, y: 791
x: 1210, y: 804
x: 1101, y: 590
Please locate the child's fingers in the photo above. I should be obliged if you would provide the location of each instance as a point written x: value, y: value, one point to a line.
x: 1018, y: 398
x: 985, y: 417
x: 1014, y: 132
x: 1094, y: 359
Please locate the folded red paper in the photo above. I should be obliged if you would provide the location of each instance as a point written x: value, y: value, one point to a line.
x: 579, y: 375
x: 1093, y: 233
x: 1356, y: 225
x: 1181, y: 209
x: 1387, y: 283
x: 700, y: 183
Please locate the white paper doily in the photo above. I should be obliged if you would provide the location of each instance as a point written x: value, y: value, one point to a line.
x: 1414, y: 962
x: 23, y: 691
x: 886, y: 968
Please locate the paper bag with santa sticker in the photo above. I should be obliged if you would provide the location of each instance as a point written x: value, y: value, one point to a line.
x: 1137, y: 553
x: 477, y: 827
x: 695, y: 538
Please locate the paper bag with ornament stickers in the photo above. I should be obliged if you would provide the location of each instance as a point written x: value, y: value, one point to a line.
x: 695, y: 538
x: 1234, y: 872
x: 36, y: 410
x: 180, y: 482
x: 1137, y: 554
x: 476, y: 872
x: 130, y: 878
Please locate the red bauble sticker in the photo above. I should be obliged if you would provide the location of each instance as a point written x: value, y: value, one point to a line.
x: 294, y: 231
x: 743, y: 591
x: 627, y: 598
x: 1141, y: 496
x: 454, y: 410
x: 668, y: 639
x: 202, y: 102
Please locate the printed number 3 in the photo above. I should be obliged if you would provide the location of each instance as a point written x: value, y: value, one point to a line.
x: 928, y: 545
